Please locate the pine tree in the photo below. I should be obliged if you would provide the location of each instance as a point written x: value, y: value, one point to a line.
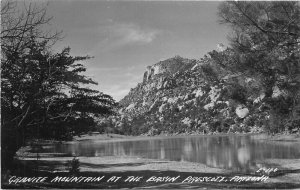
x: 265, y: 44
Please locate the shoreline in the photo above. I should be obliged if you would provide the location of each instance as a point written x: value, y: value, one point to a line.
x: 111, y: 137
x: 283, y: 138
x: 114, y: 137
x: 26, y: 154
x: 55, y: 163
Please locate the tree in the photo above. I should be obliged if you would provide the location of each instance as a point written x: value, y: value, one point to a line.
x: 43, y: 93
x: 265, y: 45
x: 18, y: 27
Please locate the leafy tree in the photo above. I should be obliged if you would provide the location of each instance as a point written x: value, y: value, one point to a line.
x: 44, y: 94
x: 265, y: 45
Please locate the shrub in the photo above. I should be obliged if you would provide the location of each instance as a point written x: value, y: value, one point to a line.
x: 237, y: 92
x: 225, y: 127
x: 214, y: 126
x: 74, y: 166
x: 293, y: 126
x: 249, y: 121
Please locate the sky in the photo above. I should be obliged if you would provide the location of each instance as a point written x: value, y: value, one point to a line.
x: 125, y: 37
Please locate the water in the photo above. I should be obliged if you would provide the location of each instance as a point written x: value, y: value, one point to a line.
x: 238, y: 153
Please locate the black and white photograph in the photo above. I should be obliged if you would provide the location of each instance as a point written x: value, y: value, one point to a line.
x: 150, y: 94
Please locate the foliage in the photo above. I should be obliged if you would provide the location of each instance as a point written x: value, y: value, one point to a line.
x: 44, y: 94
x: 236, y: 92
x: 265, y: 45
x: 209, y: 73
x: 74, y: 166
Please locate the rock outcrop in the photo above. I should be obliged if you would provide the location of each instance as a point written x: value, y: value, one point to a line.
x: 168, y: 67
x: 179, y: 95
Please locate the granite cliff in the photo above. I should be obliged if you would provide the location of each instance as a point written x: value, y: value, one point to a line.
x: 180, y: 95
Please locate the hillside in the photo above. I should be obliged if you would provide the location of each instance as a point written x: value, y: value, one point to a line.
x: 180, y: 95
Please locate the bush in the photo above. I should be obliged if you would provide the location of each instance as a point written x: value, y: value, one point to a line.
x: 249, y: 121
x: 215, y: 126
x: 293, y: 126
x: 237, y: 92
x: 74, y: 166
x: 225, y: 127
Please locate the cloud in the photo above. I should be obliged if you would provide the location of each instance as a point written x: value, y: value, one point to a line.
x: 131, y: 33
x: 122, y: 34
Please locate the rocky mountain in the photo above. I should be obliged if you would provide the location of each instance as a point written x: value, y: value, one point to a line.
x: 181, y: 95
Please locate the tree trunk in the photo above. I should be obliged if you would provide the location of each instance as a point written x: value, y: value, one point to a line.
x: 11, y: 141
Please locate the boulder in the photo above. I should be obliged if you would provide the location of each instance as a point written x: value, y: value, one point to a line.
x: 241, y: 111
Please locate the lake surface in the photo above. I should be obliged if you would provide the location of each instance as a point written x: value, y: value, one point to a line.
x: 235, y: 152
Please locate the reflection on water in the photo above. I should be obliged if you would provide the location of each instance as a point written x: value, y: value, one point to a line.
x: 231, y: 152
